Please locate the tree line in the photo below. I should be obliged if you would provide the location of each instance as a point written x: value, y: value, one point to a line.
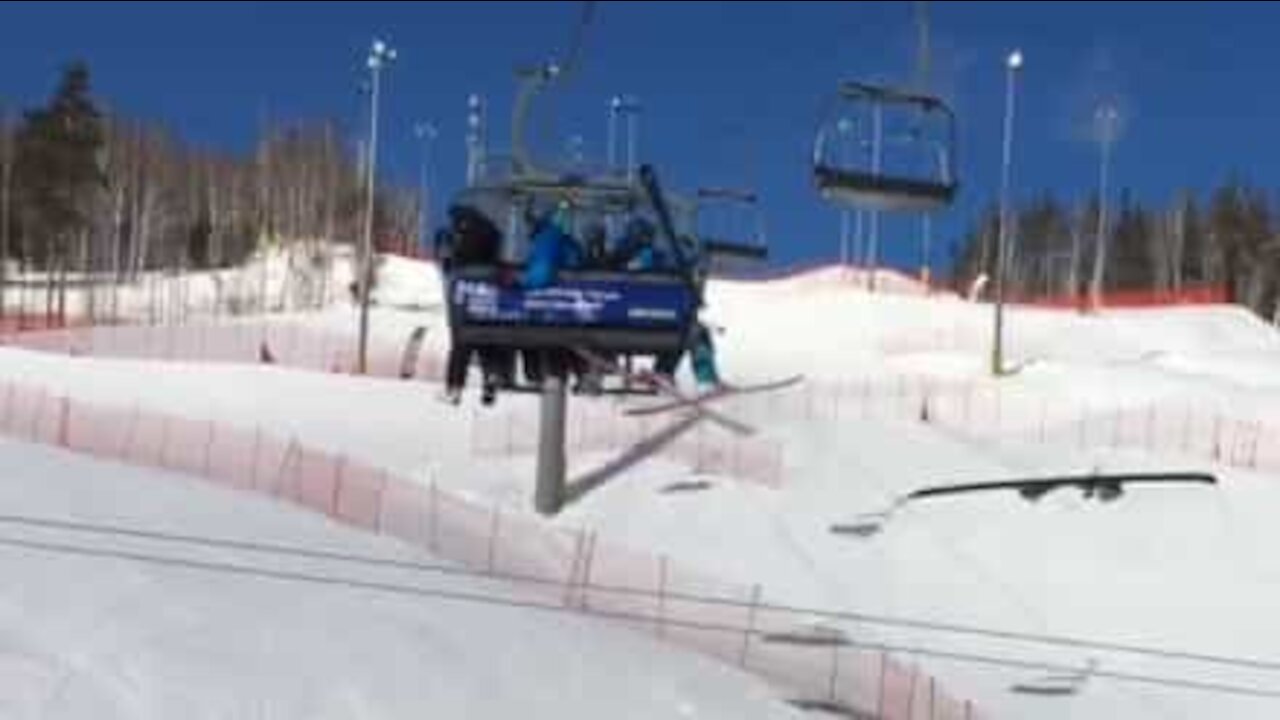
x: 107, y: 197
x: 1228, y: 238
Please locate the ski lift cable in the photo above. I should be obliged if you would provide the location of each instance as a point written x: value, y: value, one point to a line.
x: 282, y: 550
x: 249, y: 570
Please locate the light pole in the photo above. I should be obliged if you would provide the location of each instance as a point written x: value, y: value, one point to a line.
x: 844, y: 127
x: 1105, y: 119
x: 873, y: 241
x: 380, y: 55
x: 475, y: 139
x: 426, y: 133
x: 611, y: 134
x: 1013, y: 64
x: 629, y: 106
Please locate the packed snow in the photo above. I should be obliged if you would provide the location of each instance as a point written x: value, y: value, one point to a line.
x: 95, y: 637
x: 1184, y: 568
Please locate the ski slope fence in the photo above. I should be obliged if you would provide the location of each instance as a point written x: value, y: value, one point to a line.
x: 986, y: 409
x: 537, y: 563
x: 976, y: 408
x: 243, y: 341
x: 495, y: 433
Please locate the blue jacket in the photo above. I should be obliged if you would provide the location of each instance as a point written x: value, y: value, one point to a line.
x: 552, y: 250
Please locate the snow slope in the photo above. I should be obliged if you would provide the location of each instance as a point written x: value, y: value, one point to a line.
x: 103, y: 638
x: 1184, y: 568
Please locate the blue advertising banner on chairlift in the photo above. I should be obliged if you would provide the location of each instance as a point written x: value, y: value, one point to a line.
x: 611, y: 303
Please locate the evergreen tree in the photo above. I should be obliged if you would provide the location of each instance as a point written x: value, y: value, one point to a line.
x: 57, y: 158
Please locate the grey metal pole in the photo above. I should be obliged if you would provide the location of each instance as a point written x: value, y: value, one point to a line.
x: 1106, y: 118
x: 378, y: 57
x: 475, y: 138
x: 873, y: 242
x: 422, y: 187
x: 425, y: 132
x: 427, y: 188
x: 844, y: 238
x: 611, y: 134
x: 926, y: 249
x: 633, y: 137
x: 844, y: 126
x: 549, y: 492
x: 997, y: 348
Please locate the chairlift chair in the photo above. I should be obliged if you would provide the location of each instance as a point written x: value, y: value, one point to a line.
x: 909, y: 169
x: 606, y: 311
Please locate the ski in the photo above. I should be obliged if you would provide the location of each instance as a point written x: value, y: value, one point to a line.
x: 720, y: 393
x: 668, y: 388
x: 412, y: 349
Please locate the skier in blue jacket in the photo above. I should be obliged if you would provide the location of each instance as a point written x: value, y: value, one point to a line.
x: 552, y: 249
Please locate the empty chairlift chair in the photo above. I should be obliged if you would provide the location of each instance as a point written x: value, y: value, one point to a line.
x: 882, y: 149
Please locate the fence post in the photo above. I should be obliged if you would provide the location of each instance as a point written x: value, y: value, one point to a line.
x: 834, y: 676
x: 700, y: 443
x: 208, y: 450
x: 662, y: 593
x: 493, y: 538
x: 126, y: 445
x: 382, y: 501
x: 433, y: 510
x: 257, y: 447
x: 284, y: 462
x: 587, y: 561
x: 933, y: 696
x: 751, y: 625
x: 968, y: 710
x: 33, y: 432
x: 1217, y: 437
x: 578, y: 541
x: 8, y: 404
x: 1253, y: 446
x: 884, y: 672
x: 911, y: 693
x: 64, y: 422
x: 339, y: 473
x: 164, y: 441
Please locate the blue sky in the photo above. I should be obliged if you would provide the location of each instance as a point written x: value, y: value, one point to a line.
x: 721, y: 82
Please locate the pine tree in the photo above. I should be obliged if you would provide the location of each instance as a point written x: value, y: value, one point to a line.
x: 57, y: 158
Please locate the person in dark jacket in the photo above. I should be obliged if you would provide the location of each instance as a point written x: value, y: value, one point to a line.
x: 470, y: 240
